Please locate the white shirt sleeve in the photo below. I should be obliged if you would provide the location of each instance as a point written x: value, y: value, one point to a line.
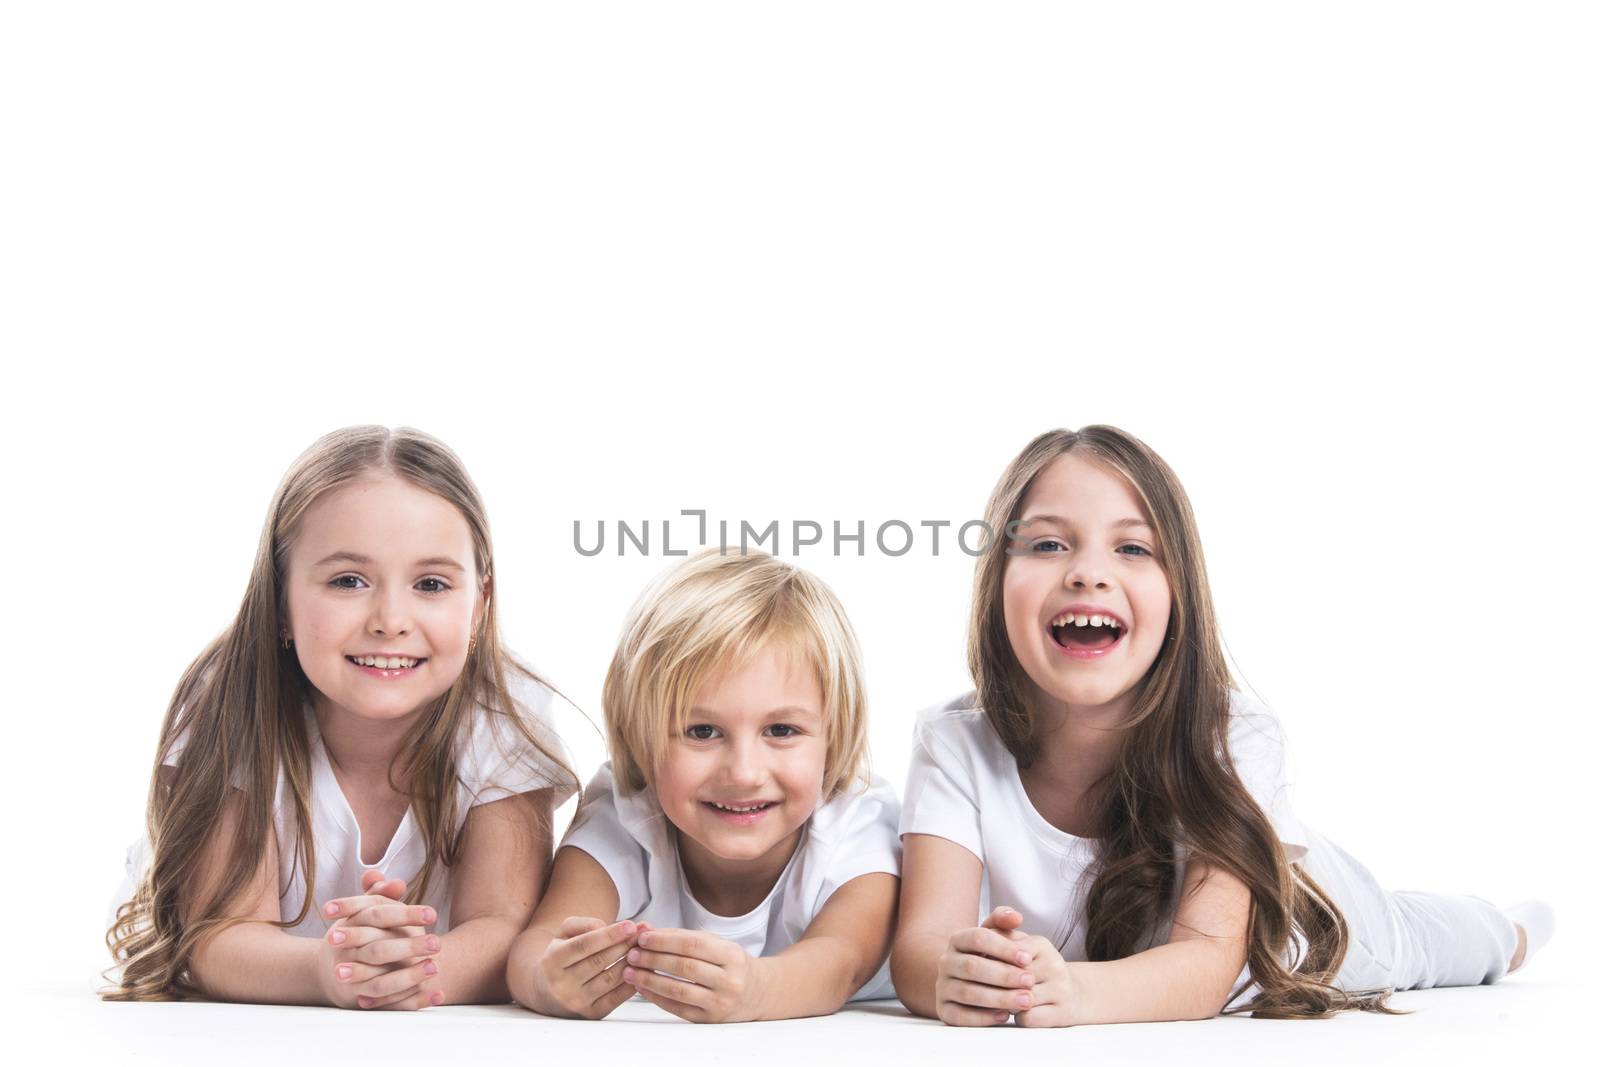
x: 598, y: 830
x: 1261, y: 759
x: 500, y: 761
x: 941, y: 786
x: 864, y: 832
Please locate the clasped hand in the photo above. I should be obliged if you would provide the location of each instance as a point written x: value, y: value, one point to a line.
x: 378, y: 953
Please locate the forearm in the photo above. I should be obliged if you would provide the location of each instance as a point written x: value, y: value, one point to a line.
x: 472, y: 960
x: 258, y: 963
x: 1188, y: 979
x: 814, y: 976
x: 914, y: 963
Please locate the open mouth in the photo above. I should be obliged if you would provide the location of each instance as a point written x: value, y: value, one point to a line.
x: 1086, y: 633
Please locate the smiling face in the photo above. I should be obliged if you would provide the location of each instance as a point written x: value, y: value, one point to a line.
x: 382, y: 593
x: 746, y: 772
x: 1086, y: 600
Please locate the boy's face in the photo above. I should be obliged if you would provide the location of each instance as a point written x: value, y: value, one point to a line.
x: 381, y: 568
x: 744, y: 775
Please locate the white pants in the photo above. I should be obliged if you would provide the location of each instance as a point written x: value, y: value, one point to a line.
x: 1404, y: 940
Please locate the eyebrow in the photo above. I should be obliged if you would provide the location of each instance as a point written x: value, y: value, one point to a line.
x: 356, y: 557
x: 1119, y: 524
x: 788, y: 709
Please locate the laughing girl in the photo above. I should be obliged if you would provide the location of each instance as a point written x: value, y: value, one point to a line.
x: 1119, y: 811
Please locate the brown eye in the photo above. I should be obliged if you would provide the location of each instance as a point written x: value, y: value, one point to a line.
x: 702, y: 731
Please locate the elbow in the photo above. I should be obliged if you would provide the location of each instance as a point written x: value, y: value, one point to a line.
x: 906, y: 973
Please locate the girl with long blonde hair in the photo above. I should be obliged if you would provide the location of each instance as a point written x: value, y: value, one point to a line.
x: 1118, y: 811
x: 353, y: 790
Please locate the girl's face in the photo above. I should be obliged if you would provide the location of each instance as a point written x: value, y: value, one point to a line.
x: 746, y: 772
x: 1088, y: 556
x: 382, y: 596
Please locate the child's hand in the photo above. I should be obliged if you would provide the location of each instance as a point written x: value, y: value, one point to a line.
x: 721, y: 982
x: 1053, y: 992
x: 376, y: 953
x: 579, y: 971
x: 984, y: 974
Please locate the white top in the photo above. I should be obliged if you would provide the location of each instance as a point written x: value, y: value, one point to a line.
x: 495, y: 762
x: 963, y: 786
x: 851, y: 835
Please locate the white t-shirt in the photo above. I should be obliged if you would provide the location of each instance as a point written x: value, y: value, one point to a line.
x: 629, y: 835
x: 963, y: 786
x: 494, y: 762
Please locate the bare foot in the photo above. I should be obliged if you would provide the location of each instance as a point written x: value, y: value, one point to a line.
x: 1522, y: 948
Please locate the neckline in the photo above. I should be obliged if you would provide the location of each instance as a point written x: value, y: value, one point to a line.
x: 740, y: 923
x: 1048, y: 833
x: 330, y: 794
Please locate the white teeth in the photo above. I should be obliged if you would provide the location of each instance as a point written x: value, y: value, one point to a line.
x: 1069, y: 619
x: 386, y: 663
x: 752, y: 807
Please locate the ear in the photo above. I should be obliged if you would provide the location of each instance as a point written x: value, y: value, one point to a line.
x: 485, y: 591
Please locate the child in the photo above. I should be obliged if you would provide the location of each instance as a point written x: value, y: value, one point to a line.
x: 754, y: 870
x: 359, y: 712
x: 1122, y: 805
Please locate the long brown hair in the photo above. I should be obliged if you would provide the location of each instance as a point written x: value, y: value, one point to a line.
x: 237, y: 717
x: 1169, y: 787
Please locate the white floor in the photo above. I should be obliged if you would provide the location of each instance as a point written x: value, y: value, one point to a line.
x: 1521, y: 1021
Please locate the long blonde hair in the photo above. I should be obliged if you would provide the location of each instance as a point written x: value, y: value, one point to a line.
x: 1169, y: 786
x: 237, y: 716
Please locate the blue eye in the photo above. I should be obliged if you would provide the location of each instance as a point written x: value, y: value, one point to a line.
x: 702, y: 731
x: 1039, y: 546
x: 439, y: 585
x: 1136, y: 550
x: 338, y: 583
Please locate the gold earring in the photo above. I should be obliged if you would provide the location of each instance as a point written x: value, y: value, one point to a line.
x: 472, y: 644
x: 283, y: 636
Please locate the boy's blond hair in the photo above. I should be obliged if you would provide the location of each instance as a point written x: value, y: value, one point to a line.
x: 715, y: 612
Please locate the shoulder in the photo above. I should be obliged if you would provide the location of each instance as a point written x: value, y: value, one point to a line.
x: 515, y: 749
x: 1253, y: 727
x: 861, y: 806
x: 958, y: 731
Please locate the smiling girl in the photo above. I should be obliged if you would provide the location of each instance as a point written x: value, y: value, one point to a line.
x: 358, y: 736
x: 1119, y: 811
x: 734, y: 833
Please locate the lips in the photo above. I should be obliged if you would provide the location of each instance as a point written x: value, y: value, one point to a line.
x: 379, y: 666
x: 1087, y: 631
x: 744, y: 814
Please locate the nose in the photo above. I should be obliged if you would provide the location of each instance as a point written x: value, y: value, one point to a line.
x: 390, y: 615
x: 1088, y: 568
x: 744, y: 765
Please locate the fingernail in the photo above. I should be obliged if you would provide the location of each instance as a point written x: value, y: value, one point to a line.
x: 436, y: 997
x: 344, y: 972
x: 1024, y: 1001
x: 1027, y: 980
x: 627, y: 974
x: 628, y: 927
x: 1023, y: 959
x: 433, y: 944
x: 429, y: 915
x: 363, y: 1002
x: 644, y: 937
x: 337, y: 937
x: 633, y: 955
x: 430, y: 968
x: 331, y: 909
x: 999, y: 1016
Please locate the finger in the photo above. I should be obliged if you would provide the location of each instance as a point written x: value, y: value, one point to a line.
x: 961, y: 1015
x: 973, y: 995
x: 676, y: 1007
x: 690, y: 943
x: 585, y: 945
x: 602, y: 969
x: 394, y: 889
x: 604, y: 984
x: 687, y: 967
x: 370, y: 878
x: 389, y: 915
x: 417, y: 1003
x: 1003, y: 919
x: 671, y: 988
x: 984, y: 971
x: 391, y: 950
x: 400, y: 998
x: 352, y: 937
x: 977, y: 940
x: 577, y: 925
x: 349, y: 907
x: 396, y: 979
x: 609, y: 1003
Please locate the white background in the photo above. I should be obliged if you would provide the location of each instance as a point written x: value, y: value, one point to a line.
x: 828, y: 261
